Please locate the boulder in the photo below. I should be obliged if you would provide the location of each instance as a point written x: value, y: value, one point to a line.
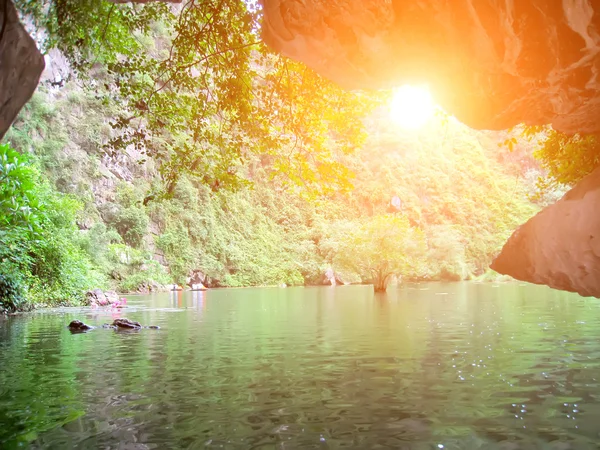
x: 111, y: 297
x: 97, y: 297
x: 77, y: 326
x: 331, y: 278
x: 197, y: 280
x: 560, y: 246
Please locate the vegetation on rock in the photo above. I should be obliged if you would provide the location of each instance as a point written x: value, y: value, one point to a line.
x: 566, y: 159
x: 39, y: 257
x: 201, y: 151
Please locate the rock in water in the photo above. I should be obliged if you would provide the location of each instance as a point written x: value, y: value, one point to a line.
x: 560, y: 246
x: 126, y: 324
x: 111, y: 297
x: 79, y: 326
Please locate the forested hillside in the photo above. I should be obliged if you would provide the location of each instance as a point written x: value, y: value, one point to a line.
x: 144, y: 163
x: 463, y: 197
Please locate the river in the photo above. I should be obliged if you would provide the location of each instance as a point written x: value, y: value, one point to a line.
x: 425, y: 366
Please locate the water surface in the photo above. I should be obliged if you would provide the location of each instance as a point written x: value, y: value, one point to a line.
x: 454, y: 366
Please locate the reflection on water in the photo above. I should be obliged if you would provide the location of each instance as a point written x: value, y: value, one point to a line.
x: 454, y: 366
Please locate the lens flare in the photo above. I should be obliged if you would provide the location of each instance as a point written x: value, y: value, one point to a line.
x: 411, y: 106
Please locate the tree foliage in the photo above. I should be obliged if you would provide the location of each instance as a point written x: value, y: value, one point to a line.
x: 454, y: 188
x: 38, y: 257
x: 566, y: 159
x: 202, y: 93
x: 381, y: 247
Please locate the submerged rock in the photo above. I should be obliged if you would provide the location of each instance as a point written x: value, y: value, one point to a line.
x: 79, y: 326
x: 126, y: 323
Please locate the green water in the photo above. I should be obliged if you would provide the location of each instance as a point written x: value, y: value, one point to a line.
x: 463, y: 366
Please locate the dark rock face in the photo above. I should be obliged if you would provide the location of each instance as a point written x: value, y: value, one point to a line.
x: 21, y: 65
x: 491, y: 64
x: 560, y: 246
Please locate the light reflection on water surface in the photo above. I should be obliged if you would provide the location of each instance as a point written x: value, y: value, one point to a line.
x: 459, y: 365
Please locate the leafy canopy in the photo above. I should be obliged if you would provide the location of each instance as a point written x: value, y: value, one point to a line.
x: 566, y: 159
x: 203, y: 94
x: 381, y: 246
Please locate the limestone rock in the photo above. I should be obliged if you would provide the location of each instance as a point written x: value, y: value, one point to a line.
x: 97, y: 297
x: 196, y: 280
x: 491, y: 64
x: 332, y: 278
x: 21, y: 65
x: 560, y: 246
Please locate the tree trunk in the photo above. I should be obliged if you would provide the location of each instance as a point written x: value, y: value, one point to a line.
x: 380, y: 283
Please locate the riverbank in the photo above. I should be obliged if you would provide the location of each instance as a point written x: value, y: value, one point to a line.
x: 488, y: 277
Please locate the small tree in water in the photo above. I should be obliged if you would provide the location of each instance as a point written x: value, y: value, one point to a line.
x: 380, y: 247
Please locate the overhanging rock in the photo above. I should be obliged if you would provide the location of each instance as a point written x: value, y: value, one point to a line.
x: 21, y: 65
x: 560, y: 246
x: 492, y: 64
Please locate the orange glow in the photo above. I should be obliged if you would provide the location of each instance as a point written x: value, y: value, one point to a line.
x: 411, y: 106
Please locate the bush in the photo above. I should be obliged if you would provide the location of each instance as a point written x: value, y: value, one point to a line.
x: 132, y: 224
x: 145, y: 278
x: 11, y: 293
x: 39, y: 251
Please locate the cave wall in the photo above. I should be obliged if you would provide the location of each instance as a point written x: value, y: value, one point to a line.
x: 21, y: 65
x: 493, y: 64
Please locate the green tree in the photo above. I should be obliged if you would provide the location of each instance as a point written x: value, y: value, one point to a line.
x: 380, y: 247
x: 202, y: 94
x: 40, y: 260
x: 20, y: 218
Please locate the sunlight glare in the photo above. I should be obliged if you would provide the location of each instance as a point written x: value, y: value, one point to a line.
x: 411, y: 106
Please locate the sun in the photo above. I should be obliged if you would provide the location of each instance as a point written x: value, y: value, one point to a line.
x: 411, y: 106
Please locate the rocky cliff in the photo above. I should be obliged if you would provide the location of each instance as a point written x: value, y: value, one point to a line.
x: 492, y: 64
